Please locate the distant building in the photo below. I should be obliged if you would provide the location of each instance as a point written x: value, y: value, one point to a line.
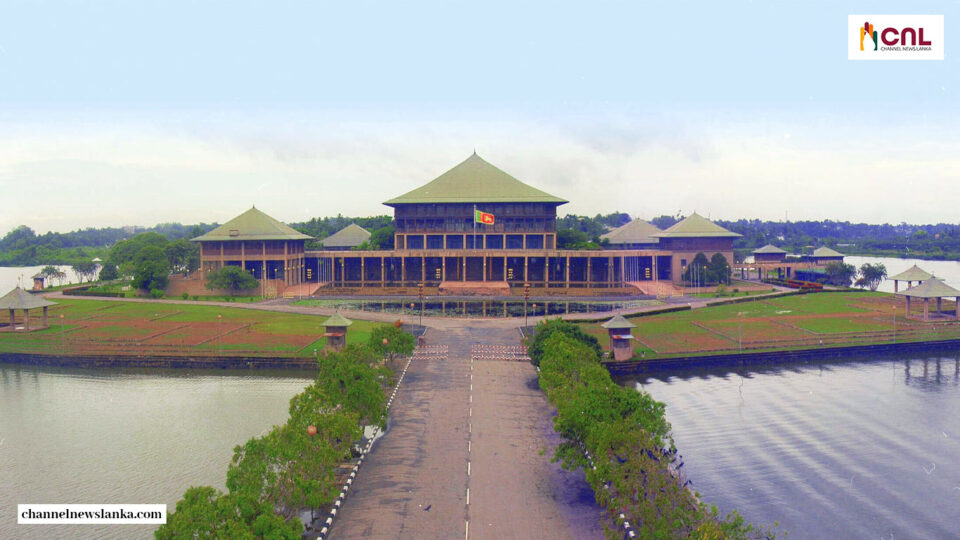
x: 346, y: 238
x: 634, y: 235
x: 769, y: 253
x: 255, y: 242
x: 695, y: 234
x: 823, y: 255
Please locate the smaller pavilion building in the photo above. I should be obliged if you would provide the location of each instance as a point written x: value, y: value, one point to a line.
x: 695, y: 234
x: 824, y: 255
x: 620, y: 337
x: 346, y: 238
x: 932, y: 288
x: 256, y: 242
x: 21, y: 299
x: 914, y: 273
x: 638, y: 234
x: 769, y: 253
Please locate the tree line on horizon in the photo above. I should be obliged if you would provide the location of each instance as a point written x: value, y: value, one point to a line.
x: 23, y: 247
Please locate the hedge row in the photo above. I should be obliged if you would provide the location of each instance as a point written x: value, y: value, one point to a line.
x: 635, y: 470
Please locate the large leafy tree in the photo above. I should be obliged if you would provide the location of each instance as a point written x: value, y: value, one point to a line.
x: 85, y: 269
x: 546, y: 329
x: 183, y: 255
x: 231, y: 278
x: 150, y: 268
x: 718, y: 270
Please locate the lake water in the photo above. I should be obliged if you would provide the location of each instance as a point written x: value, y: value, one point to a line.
x: 860, y: 449
x: 947, y: 270
x: 10, y: 276
x: 125, y: 436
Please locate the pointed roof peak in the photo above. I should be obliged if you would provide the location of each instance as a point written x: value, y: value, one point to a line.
x: 252, y: 225
x: 21, y: 299
x: 914, y: 273
x: 475, y: 180
x: 931, y: 288
x: 636, y: 231
x: 696, y: 226
x: 617, y: 322
x: 337, y: 320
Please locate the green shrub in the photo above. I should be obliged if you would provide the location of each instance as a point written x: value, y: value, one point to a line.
x: 156, y: 293
x: 185, y: 296
x: 545, y: 329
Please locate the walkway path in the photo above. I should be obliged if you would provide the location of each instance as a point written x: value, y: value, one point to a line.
x: 467, y: 454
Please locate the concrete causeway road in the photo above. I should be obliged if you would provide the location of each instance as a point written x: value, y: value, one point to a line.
x: 467, y: 452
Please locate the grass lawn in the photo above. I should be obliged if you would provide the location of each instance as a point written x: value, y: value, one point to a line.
x: 91, y: 327
x: 783, y: 323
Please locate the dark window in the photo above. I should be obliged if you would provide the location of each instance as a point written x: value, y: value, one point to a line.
x: 434, y: 241
x: 455, y: 242
x: 494, y: 241
x: 534, y: 241
x: 415, y: 241
x: 514, y: 241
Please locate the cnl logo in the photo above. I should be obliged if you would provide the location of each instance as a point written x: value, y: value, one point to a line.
x: 893, y: 37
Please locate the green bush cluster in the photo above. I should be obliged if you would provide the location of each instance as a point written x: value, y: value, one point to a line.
x: 625, y: 432
x: 273, y: 476
x: 548, y: 328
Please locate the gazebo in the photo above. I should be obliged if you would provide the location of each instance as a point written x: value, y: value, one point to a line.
x: 20, y: 299
x: 914, y: 273
x: 619, y: 329
x: 38, y: 281
x: 932, y: 288
x: 336, y: 333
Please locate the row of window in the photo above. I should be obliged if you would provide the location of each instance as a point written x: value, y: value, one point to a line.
x: 466, y: 210
x: 467, y: 225
x: 493, y: 241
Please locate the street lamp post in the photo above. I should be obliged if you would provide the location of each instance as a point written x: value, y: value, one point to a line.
x: 740, y: 330
x: 62, y: 348
x: 894, y: 324
x: 219, y: 331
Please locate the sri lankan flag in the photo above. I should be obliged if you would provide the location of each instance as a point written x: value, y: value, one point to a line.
x: 482, y: 217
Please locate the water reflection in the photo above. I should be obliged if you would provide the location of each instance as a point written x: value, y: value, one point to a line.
x: 864, y: 446
x: 480, y: 308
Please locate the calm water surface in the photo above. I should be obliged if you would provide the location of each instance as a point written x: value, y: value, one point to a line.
x: 125, y: 436
x: 860, y: 449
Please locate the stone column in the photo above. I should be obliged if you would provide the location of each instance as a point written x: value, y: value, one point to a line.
x: 926, y: 309
x: 896, y: 285
x: 45, y: 315
x: 14, y: 326
x: 26, y: 320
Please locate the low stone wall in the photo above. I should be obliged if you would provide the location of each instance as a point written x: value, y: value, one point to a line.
x: 634, y: 367
x: 179, y: 362
x: 194, y: 286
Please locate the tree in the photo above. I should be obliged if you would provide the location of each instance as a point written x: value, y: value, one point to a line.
x: 382, y: 238
x: 233, y: 279
x: 719, y: 269
x: 545, y: 329
x: 840, y: 274
x: 698, y: 270
x: 52, y: 272
x: 85, y: 269
x: 871, y: 275
x: 151, y: 269
x: 109, y: 272
x: 398, y: 342
x: 183, y: 256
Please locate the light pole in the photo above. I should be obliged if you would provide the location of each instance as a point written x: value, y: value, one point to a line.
x: 219, y: 326
x: 894, y: 324
x: 62, y: 348
x: 740, y: 330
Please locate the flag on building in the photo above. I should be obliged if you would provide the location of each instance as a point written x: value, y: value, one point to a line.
x: 482, y: 217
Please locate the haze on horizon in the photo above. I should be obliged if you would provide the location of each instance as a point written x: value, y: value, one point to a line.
x: 120, y: 114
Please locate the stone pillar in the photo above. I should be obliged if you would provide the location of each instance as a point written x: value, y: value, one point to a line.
x: 26, y: 320
x: 896, y: 284
x: 926, y: 309
x: 383, y: 272
x: 566, y: 272
x: 908, y: 307
x: 14, y: 326
x: 45, y: 315
x: 484, y: 276
x: 939, y: 305
x: 363, y: 271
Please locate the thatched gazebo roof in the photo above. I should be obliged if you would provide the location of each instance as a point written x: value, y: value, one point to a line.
x: 21, y: 299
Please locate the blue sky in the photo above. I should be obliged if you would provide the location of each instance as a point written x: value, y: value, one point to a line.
x: 313, y: 108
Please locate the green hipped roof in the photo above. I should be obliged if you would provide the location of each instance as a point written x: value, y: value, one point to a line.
x: 914, y: 273
x: 637, y: 231
x: 826, y: 252
x: 252, y: 225
x: 350, y: 236
x: 475, y: 181
x: 769, y: 248
x: 337, y: 320
x: 931, y: 288
x: 696, y: 226
x: 21, y: 299
x: 618, y: 322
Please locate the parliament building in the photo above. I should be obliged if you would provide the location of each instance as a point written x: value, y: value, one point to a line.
x: 473, y: 230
